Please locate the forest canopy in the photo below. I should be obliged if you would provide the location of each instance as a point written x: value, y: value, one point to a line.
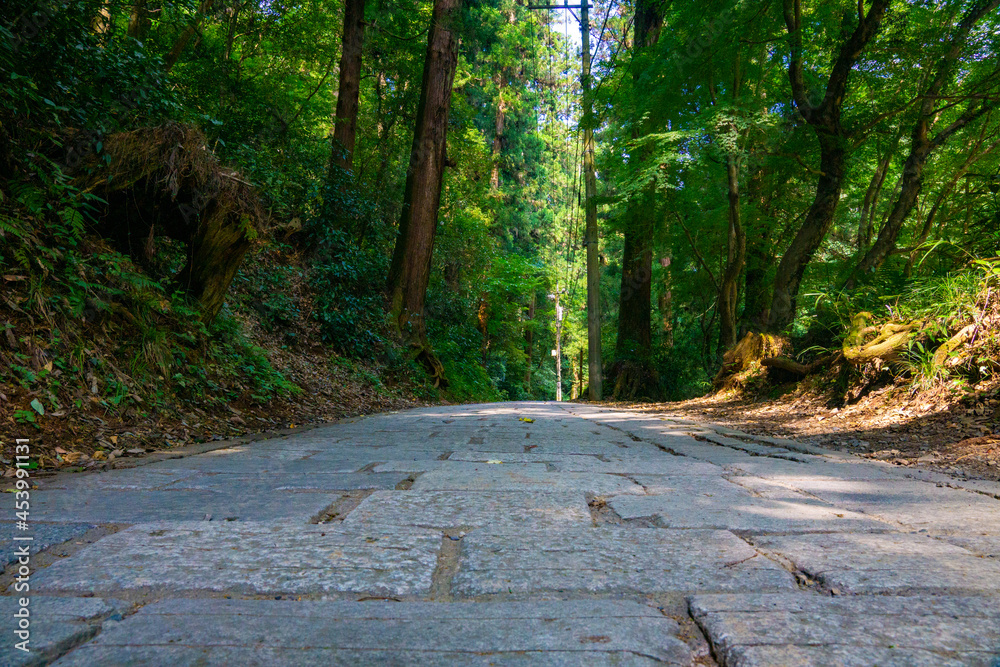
x: 778, y: 187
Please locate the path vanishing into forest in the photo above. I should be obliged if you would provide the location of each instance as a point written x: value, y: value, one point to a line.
x: 514, y: 533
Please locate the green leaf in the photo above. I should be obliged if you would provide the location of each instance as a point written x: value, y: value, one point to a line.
x: 37, y: 406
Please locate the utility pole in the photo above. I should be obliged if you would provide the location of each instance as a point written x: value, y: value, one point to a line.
x: 590, y: 180
x: 557, y: 353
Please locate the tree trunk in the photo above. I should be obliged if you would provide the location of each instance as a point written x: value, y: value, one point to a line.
x: 760, y: 257
x: 825, y: 119
x: 634, y: 328
x: 409, y: 273
x: 498, y: 129
x: 190, y: 31
x: 792, y: 266
x: 594, y: 356
x: 635, y: 295
x: 665, y: 304
x: 499, y: 126
x: 871, y: 197
x: 345, y: 124
x: 138, y: 20
x: 729, y: 286
x: 214, y: 256
x: 234, y: 16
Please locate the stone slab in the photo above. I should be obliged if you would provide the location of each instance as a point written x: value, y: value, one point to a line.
x: 56, y: 625
x: 336, y: 463
x: 269, y: 632
x: 981, y: 545
x: 708, y: 489
x: 179, y: 505
x: 914, y: 504
x: 894, y: 563
x: 847, y: 656
x: 598, y: 448
x: 524, y: 457
x: 512, y: 510
x: 715, y: 454
x: 744, y: 446
x: 661, y: 464
x: 434, y: 447
x: 611, y: 559
x: 242, y: 483
x: 798, y: 629
x: 251, y: 558
x: 744, y: 514
x: 450, y: 466
x: 790, y: 472
x: 145, y: 478
x: 43, y: 536
x: 500, y: 479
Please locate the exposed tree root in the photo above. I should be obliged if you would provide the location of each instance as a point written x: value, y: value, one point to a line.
x: 412, y: 332
x: 792, y: 366
x: 166, y: 181
x: 740, y: 362
x: 952, y: 344
x: 422, y: 352
x: 890, y: 340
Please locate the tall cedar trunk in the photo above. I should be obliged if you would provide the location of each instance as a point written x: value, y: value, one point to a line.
x: 922, y: 145
x: 234, y: 17
x: 595, y: 362
x: 634, y: 303
x: 498, y: 130
x: 411, y: 260
x: 189, y: 31
x: 634, y: 327
x: 824, y: 118
x: 665, y: 304
x: 760, y: 257
x: 729, y: 287
x: 345, y: 123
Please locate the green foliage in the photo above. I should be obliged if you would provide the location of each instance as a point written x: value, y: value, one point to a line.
x: 259, y: 80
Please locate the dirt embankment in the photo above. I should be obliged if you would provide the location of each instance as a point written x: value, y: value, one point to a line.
x: 938, y: 429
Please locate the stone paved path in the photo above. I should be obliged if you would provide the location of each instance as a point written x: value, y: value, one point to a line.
x: 465, y: 535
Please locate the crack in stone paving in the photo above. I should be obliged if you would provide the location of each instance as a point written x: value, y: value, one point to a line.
x: 446, y: 568
x: 343, y: 506
x: 587, y: 536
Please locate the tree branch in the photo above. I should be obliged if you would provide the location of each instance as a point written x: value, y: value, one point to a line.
x: 701, y: 260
